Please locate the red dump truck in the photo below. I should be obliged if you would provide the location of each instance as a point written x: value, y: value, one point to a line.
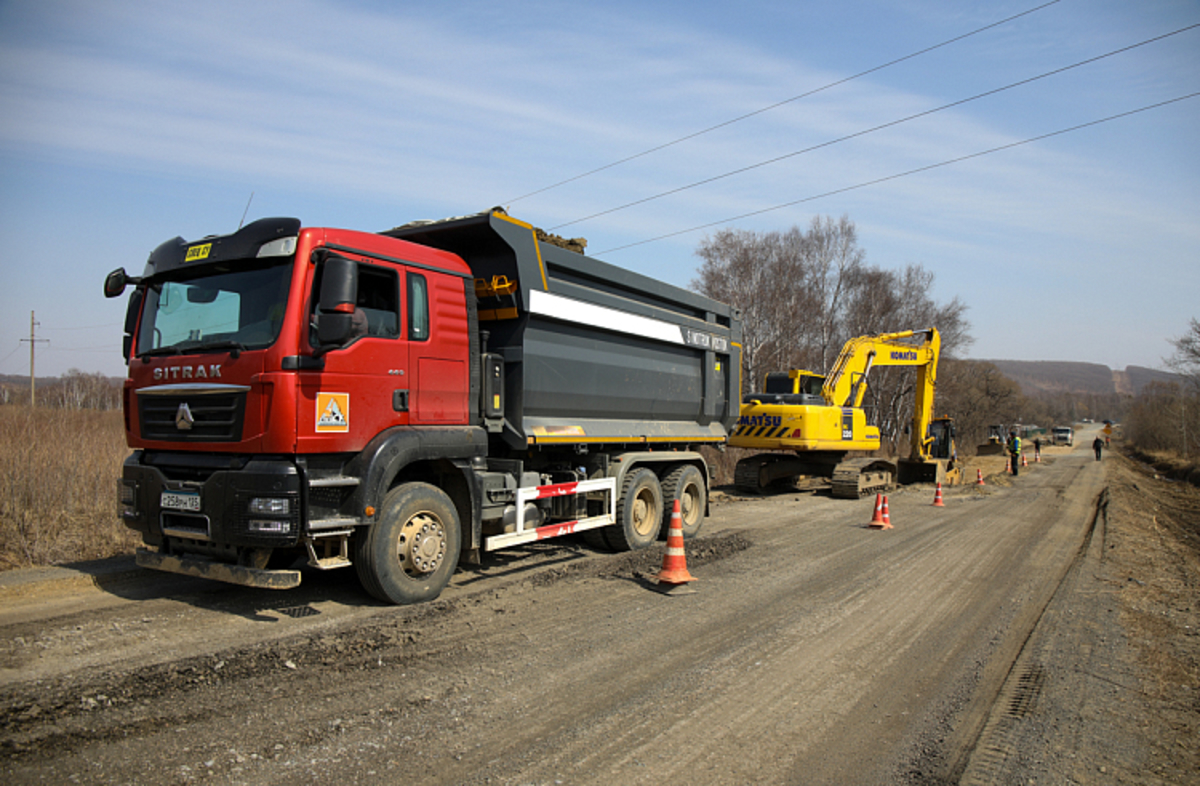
x: 399, y: 401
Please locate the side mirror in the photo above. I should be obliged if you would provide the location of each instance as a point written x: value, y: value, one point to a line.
x: 132, y: 311
x: 115, y: 282
x: 339, y: 292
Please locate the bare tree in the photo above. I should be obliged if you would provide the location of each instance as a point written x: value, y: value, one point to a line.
x: 1186, y: 362
x: 733, y: 266
x: 792, y: 288
x: 836, y: 262
x: 803, y: 294
x: 79, y: 390
x: 1186, y: 359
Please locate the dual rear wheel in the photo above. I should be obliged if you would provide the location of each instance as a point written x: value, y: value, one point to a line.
x: 645, y: 504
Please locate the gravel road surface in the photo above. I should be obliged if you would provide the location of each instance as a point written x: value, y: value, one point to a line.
x: 1034, y: 630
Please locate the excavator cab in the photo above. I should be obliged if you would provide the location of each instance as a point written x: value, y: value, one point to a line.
x: 941, y: 430
x: 795, y: 387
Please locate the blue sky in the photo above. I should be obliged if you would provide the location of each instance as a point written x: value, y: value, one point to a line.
x: 126, y: 124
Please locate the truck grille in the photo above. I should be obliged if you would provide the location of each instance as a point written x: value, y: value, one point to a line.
x: 193, y: 418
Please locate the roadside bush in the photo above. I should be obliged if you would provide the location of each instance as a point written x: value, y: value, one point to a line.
x: 1165, y: 417
x: 58, y: 471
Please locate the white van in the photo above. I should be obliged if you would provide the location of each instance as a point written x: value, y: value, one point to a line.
x: 1062, y: 435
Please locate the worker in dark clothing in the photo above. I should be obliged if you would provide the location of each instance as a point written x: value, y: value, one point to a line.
x: 1097, y: 445
x: 1014, y: 450
x: 1037, y: 447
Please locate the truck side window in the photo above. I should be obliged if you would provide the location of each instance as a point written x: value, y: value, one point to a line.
x: 379, y: 299
x: 418, y: 307
x: 376, y: 306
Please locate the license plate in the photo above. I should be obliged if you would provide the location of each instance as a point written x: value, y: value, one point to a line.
x: 181, y: 500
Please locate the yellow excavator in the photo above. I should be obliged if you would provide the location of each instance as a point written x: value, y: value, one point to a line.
x: 811, y: 422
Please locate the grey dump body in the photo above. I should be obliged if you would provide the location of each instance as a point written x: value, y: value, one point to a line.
x: 592, y: 353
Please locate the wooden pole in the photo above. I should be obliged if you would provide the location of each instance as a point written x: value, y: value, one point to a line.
x: 32, y: 344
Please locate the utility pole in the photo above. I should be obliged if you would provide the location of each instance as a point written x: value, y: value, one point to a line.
x: 33, y: 342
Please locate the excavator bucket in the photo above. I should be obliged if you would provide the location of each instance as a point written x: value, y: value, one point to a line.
x: 932, y: 471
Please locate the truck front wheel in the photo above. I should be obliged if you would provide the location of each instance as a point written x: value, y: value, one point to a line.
x: 410, y: 553
x: 639, y: 512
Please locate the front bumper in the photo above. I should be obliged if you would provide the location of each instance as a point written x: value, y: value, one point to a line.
x: 223, y: 489
x: 192, y: 565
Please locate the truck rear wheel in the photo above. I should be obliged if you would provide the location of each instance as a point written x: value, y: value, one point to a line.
x: 686, y: 484
x: 639, y: 512
x: 410, y: 553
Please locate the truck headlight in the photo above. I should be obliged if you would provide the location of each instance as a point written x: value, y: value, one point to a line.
x: 269, y: 526
x: 270, y: 506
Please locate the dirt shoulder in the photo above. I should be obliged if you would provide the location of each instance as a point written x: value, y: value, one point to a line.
x: 1152, y: 561
x: 1107, y: 689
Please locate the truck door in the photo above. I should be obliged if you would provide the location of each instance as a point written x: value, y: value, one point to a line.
x: 439, y: 348
x: 364, y: 385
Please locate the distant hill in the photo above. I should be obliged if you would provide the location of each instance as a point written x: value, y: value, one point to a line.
x: 1140, y: 377
x: 1057, y: 376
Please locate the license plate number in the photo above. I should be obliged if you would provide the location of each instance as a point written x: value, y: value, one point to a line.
x: 177, y: 500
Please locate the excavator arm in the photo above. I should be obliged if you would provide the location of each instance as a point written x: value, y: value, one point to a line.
x: 846, y: 384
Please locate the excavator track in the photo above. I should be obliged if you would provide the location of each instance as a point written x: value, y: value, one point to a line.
x: 748, y: 475
x: 856, y: 478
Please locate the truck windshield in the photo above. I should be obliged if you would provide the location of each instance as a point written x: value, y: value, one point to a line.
x: 216, y: 308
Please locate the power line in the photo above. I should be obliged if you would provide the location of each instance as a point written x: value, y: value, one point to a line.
x: 106, y: 348
x: 899, y: 175
x: 873, y: 129
x: 778, y: 104
x: 10, y: 354
x: 85, y: 327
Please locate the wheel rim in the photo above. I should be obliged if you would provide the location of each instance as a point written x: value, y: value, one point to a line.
x: 644, y: 511
x: 422, y: 544
x: 689, y: 504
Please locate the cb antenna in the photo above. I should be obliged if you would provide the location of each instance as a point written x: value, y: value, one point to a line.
x: 247, y: 210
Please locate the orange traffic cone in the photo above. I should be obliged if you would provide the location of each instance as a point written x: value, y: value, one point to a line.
x: 877, y: 520
x: 937, y: 498
x: 887, y: 518
x: 1037, y: 457
x: 1008, y: 466
x: 1024, y: 461
x: 674, y: 576
x: 979, y: 478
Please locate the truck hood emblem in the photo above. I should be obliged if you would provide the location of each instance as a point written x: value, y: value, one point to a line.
x: 184, y: 418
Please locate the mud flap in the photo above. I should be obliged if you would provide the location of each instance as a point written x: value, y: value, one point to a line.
x: 219, y: 571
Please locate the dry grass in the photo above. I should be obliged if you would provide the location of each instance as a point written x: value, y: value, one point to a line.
x: 58, y: 487
x: 1152, y: 540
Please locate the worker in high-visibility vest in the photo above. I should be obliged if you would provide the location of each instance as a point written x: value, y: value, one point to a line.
x: 1014, y: 450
